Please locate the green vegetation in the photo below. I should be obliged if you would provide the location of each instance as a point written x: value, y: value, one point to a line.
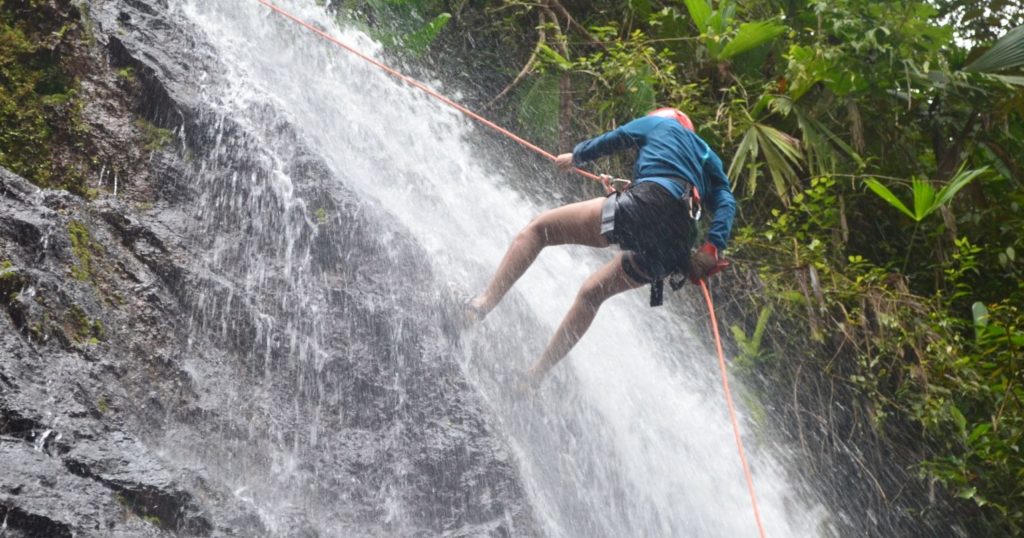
x: 153, y: 137
x: 39, y: 104
x: 83, y: 329
x: 126, y: 73
x: 102, y: 405
x: 825, y: 114
x: 82, y: 247
x: 321, y: 215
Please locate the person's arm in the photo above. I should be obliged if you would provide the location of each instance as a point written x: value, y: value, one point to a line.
x: 630, y: 135
x: 706, y: 261
x: 720, y: 201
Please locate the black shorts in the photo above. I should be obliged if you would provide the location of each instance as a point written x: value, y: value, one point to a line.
x: 653, y: 226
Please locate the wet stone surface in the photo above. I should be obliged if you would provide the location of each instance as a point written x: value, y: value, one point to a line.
x: 148, y: 387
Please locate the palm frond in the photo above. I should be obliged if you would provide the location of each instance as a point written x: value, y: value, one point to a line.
x: 959, y: 181
x: 924, y: 198
x: 884, y: 193
x: 700, y: 11
x: 1006, y: 53
x: 751, y: 35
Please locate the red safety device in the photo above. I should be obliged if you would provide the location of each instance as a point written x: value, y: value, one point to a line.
x: 675, y: 114
x: 720, y: 263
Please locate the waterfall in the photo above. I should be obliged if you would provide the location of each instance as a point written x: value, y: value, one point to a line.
x: 628, y: 437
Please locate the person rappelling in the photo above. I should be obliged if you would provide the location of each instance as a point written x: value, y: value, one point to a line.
x: 653, y: 220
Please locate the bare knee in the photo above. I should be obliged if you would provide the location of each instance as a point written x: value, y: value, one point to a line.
x: 533, y: 235
x: 592, y: 294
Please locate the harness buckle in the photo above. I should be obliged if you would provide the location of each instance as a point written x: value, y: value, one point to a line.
x: 614, y: 184
x: 694, y: 209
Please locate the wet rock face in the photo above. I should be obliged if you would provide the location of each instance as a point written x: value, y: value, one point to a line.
x: 195, y: 356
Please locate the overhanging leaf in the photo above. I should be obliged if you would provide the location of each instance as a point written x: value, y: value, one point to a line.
x: 781, y: 153
x: 1006, y: 53
x: 700, y: 11
x: 959, y: 181
x: 747, y: 151
x: 1008, y: 79
x: 750, y: 36
x: 884, y: 193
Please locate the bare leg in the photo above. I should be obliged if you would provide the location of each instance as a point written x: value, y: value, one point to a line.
x: 606, y: 282
x: 578, y: 223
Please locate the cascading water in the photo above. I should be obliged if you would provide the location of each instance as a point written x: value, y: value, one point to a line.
x: 629, y: 437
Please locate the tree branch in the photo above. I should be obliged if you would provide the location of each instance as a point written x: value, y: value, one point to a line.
x: 527, y: 68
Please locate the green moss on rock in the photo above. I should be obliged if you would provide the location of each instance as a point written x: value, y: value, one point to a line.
x: 82, y: 328
x: 39, y: 103
x: 81, y: 247
x: 153, y: 137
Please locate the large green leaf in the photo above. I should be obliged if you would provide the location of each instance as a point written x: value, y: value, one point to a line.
x: 700, y: 11
x: 884, y: 193
x: 1007, y: 53
x: 1009, y: 79
x: 924, y: 198
x: 746, y: 152
x: 750, y: 36
x: 959, y: 181
x: 782, y: 155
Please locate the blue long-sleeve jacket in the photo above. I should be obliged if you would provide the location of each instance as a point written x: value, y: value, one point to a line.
x: 667, y: 150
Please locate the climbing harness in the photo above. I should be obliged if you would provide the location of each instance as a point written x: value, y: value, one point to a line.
x: 613, y: 184
x: 604, y: 180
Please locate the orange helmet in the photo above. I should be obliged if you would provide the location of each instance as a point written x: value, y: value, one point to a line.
x: 683, y: 119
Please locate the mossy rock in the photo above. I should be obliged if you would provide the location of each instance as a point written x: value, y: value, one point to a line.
x: 40, y: 107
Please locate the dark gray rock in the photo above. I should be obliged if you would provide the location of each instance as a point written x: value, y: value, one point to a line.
x: 147, y: 387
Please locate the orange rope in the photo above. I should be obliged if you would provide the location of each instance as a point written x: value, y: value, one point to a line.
x: 732, y: 410
x: 540, y: 151
x: 426, y: 89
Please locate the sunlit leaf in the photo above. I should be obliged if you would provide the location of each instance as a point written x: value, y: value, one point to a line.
x: 884, y: 193
x: 750, y: 36
x: 553, y: 57
x: 924, y: 198
x: 980, y: 314
x: 699, y: 10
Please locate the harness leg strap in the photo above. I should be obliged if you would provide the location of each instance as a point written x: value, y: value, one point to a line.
x: 657, y: 292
